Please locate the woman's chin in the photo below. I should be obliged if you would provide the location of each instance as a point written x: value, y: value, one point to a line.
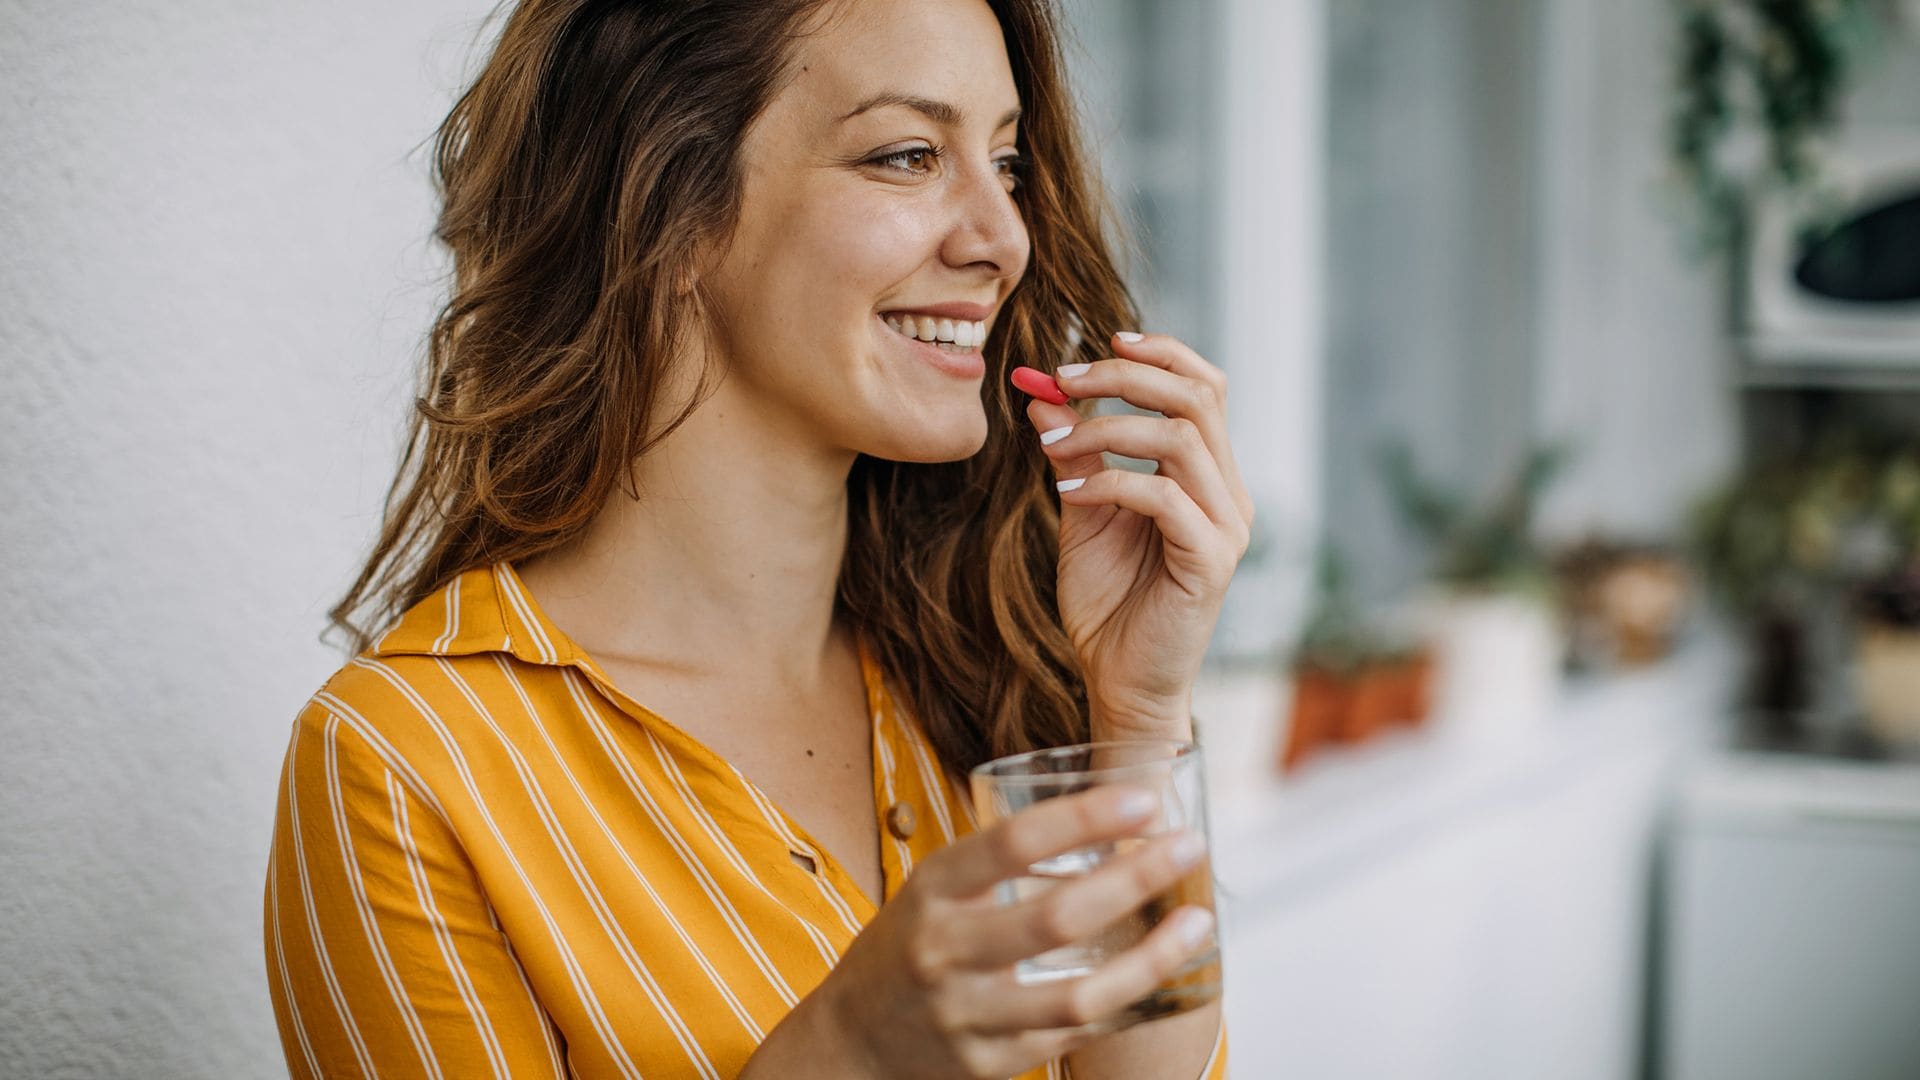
x: 949, y: 439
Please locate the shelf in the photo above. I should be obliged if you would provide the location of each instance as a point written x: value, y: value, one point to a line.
x: 1780, y: 376
x: 1748, y: 788
x: 1278, y: 838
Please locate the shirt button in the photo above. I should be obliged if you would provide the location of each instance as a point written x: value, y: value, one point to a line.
x: 900, y: 820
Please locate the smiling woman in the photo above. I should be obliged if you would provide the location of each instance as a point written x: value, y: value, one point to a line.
x: 721, y: 552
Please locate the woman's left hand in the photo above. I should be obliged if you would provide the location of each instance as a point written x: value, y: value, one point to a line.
x: 1145, y: 558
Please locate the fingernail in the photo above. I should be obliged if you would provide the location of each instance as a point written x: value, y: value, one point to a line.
x: 1048, y: 438
x: 1068, y: 371
x: 1189, y: 849
x: 1130, y: 337
x: 1138, y: 804
x: 1194, y: 924
x: 1069, y: 485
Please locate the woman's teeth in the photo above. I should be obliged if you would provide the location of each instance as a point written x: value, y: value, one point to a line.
x: 959, y: 333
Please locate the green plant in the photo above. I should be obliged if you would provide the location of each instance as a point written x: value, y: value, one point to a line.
x: 1776, y: 536
x: 1893, y: 600
x: 1339, y: 638
x: 1335, y: 637
x: 1771, y: 72
x: 1490, y: 548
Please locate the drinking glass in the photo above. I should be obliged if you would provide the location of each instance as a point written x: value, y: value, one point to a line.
x: 1172, y: 770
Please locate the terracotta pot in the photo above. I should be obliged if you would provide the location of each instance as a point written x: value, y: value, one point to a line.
x: 1372, y: 705
x: 1319, y: 704
x: 1411, y: 685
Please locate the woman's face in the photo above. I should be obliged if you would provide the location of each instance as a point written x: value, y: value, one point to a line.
x: 877, y: 197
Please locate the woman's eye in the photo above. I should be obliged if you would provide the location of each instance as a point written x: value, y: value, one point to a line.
x: 919, y: 160
x: 912, y: 159
x: 1012, y: 167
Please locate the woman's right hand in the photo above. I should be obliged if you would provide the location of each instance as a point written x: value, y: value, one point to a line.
x: 927, y: 989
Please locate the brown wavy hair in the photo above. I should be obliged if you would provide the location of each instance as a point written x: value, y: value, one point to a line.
x: 578, y: 175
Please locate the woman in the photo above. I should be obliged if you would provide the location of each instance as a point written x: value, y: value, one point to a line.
x: 704, y: 582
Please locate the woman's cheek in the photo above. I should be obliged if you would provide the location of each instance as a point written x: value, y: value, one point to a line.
x: 882, y: 246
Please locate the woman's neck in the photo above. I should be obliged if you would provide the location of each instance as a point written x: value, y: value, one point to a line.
x: 727, y: 564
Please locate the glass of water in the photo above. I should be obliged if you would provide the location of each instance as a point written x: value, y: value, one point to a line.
x: 1170, y: 769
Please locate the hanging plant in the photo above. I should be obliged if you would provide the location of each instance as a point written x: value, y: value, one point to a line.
x: 1760, y: 82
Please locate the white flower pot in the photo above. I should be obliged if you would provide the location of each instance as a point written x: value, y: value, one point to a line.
x: 1497, y: 675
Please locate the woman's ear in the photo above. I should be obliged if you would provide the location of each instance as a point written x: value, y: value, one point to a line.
x: 694, y: 269
x: 685, y: 280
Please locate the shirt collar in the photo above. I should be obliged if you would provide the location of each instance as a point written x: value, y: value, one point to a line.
x: 486, y: 609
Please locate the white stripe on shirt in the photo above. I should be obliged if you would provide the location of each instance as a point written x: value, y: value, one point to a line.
x: 774, y: 818
x: 354, y: 1040
x: 596, y: 901
x: 699, y: 958
x: 504, y: 580
x: 704, y: 818
x: 357, y: 886
x: 442, y: 935
x: 596, y: 1014
x: 885, y: 750
x: 702, y: 876
x: 280, y: 958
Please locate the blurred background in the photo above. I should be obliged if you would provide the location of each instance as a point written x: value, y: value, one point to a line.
x: 1564, y: 720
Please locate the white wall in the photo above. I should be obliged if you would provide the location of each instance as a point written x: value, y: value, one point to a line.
x: 214, y: 264
x: 1208, y: 116
x: 1271, y: 207
x: 1634, y: 361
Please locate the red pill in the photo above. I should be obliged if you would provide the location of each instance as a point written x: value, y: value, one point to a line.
x: 1039, y: 384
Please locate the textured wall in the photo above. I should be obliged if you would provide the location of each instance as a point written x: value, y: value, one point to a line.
x: 214, y: 270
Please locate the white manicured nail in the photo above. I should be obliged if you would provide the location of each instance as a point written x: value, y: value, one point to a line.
x: 1138, y: 805
x: 1048, y: 438
x: 1194, y: 924
x: 1189, y: 849
x: 1130, y: 337
x: 1069, y: 485
x: 1068, y: 371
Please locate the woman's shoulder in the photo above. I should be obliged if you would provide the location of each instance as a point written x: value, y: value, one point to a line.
x: 421, y: 680
x: 387, y: 712
x: 384, y: 692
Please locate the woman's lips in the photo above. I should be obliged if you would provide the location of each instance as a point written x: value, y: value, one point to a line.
x: 959, y: 363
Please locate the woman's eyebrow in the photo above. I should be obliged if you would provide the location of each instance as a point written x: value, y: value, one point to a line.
x: 939, y: 112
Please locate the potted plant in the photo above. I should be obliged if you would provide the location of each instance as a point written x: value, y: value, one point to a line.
x: 1623, y: 602
x: 1350, y: 680
x: 1392, y: 690
x: 1490, y: 616
x: 1782, y: 547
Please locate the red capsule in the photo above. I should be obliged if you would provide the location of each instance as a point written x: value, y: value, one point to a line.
x: 1038, y: 384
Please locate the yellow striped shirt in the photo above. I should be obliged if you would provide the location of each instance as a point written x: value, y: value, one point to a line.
x: 489, y: 861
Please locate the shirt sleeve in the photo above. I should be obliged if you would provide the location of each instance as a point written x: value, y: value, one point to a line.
x: 383, y: 956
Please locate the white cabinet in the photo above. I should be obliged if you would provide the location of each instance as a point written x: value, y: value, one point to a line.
x: 1794, y: 923
x: 1429, y: 909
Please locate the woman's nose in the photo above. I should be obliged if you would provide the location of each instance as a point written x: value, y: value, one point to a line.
x: 988, y: 229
